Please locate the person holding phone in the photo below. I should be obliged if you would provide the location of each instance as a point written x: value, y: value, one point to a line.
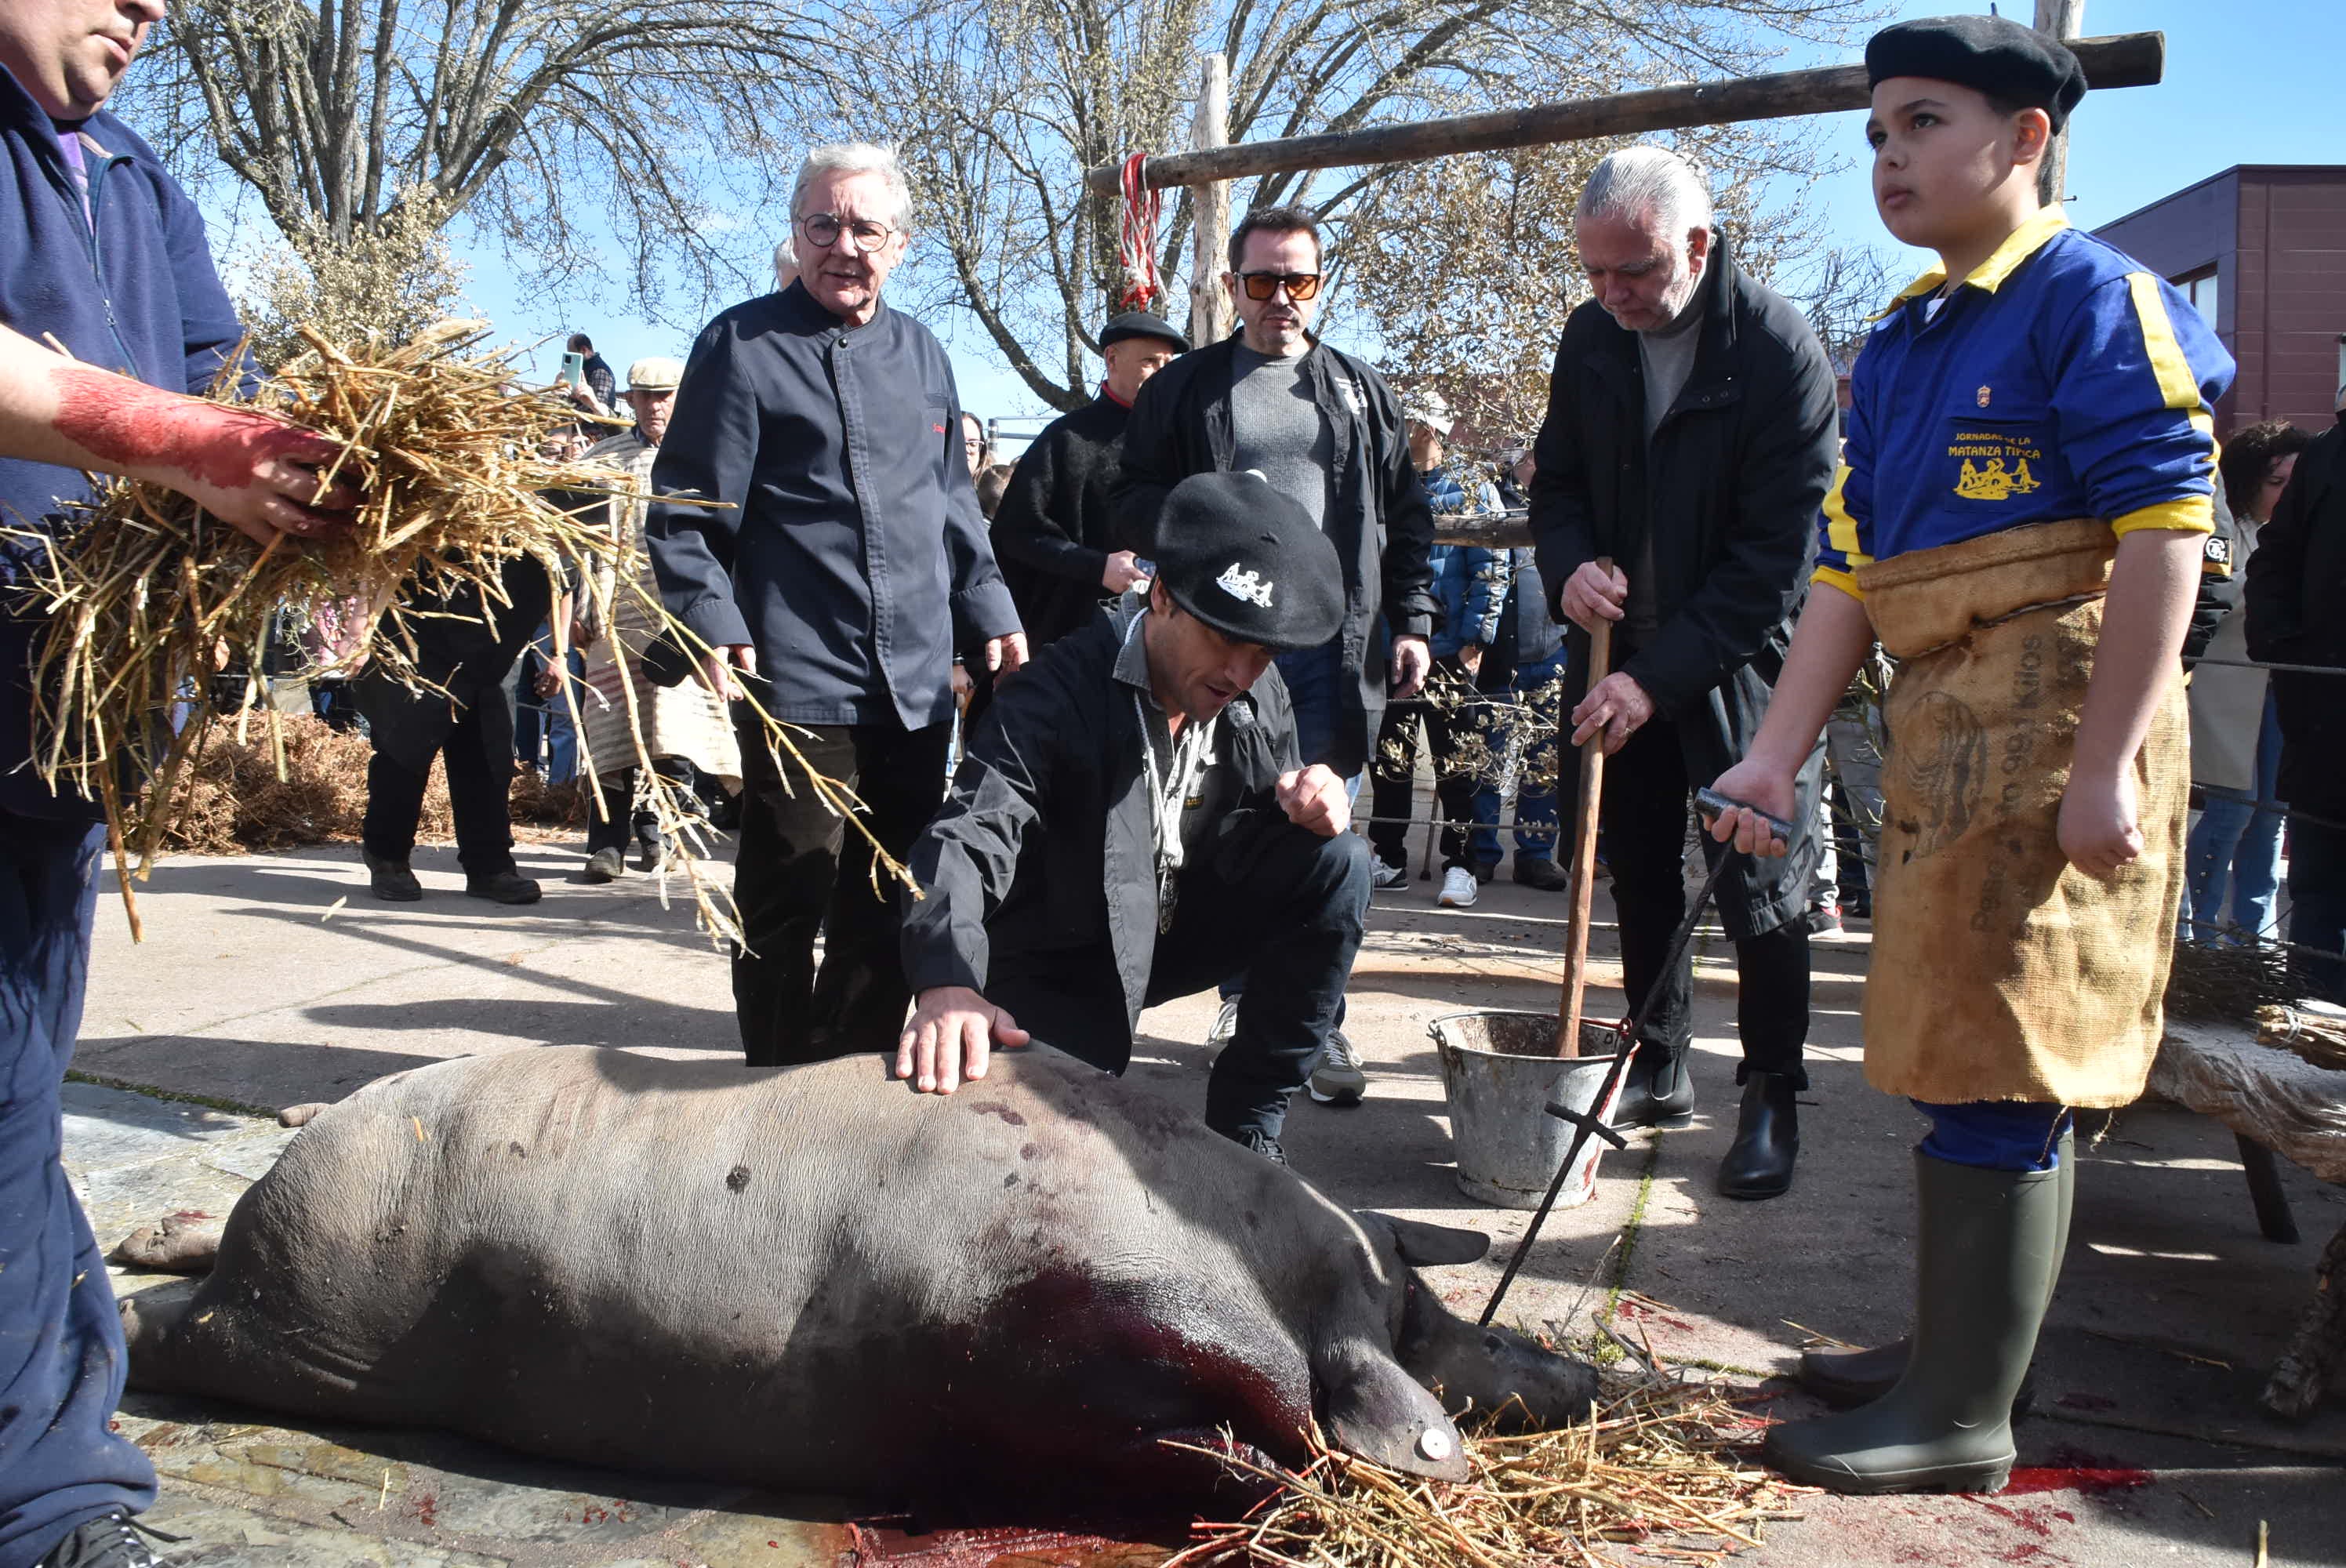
x: 593, y: 386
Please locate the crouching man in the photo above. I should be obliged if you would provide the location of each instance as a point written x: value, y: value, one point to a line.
x: 1131, y: 824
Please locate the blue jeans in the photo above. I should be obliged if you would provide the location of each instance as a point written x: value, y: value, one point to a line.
x: 2242, y: 839
x: 1314, y: 678
x: 1995, y: 1134
x: 1535, y: 807
x: 61, y: 1356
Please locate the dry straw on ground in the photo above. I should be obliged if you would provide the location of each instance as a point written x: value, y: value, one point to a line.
x: 238, y: 801
x: 1655, y: 1469
x: 145, y: 594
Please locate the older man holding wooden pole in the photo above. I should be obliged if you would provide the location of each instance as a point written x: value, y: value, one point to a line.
x: 1688, y: 444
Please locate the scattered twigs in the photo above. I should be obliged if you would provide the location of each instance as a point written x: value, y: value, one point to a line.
x: 1654, y: 1468
x: 147, y: 597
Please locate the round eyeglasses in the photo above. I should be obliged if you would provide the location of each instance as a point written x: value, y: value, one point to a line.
x: 824, y: 229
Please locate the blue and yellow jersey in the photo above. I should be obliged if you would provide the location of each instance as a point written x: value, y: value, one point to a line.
x: 2060, y: 381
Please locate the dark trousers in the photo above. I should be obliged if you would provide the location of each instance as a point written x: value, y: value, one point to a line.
x: 479, y: 795
x: 2317, y: 898
x: 798, y: 870
x: 1392, y: 767
x: 618, y: 823
x: 61, y: 1356
x: 1644, y: 813
x: 1284, y: 907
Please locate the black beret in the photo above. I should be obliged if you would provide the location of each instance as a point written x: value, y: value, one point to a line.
x: 1993, y: 54
x: 1246, y: 559
x: 1142, y: 324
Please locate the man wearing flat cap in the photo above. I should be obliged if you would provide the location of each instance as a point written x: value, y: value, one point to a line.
x: 1052, y: 533
x: 685, y: 728
x: 1132, y: 823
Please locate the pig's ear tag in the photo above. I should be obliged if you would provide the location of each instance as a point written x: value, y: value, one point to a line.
x: 1379, y: 1411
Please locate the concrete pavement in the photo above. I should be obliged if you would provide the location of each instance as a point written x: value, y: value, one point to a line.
x: 258, y: 986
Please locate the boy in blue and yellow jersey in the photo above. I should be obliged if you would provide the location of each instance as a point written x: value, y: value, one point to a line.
x: 2020, y: 520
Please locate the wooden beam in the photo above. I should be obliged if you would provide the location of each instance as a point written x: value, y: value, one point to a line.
x: 1209, y: 302
x: 2121, y: 60
x: 2060, y: 19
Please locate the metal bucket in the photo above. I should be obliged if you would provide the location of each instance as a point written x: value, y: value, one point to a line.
x: 1499, y: 1070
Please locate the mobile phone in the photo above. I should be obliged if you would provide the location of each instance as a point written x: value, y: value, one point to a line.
x: 574, y: 370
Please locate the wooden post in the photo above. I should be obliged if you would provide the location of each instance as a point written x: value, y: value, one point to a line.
x: 1210, y: 304
x: 2061, y: 19
x: 1584, y: 845
x: 2122, y: 60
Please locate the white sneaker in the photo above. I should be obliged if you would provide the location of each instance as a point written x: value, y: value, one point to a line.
x: 1458, y: 889
x: 1337, y: 1079
x: 1226, y: 1023
x: 1385, y: 874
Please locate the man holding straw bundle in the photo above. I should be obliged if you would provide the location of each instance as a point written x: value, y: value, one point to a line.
x: 152, y: 326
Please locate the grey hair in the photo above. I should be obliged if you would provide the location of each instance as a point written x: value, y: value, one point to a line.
x: 1645, y: 184
x: 857, y: 158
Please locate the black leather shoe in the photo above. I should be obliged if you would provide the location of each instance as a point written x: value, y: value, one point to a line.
x: 109, y: 1541
x: 1543, y: 873
x: 391, y: 879
x: 1758, y: 1163
x: 504, y: 888
x: 1656, y: 1092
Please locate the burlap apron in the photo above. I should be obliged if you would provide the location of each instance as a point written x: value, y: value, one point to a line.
x: 2000, y: 972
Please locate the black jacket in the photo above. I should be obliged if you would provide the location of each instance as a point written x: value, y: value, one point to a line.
x: 1040, y: 856
x: 852, y: 554
x: 1053, y: 533
x: 2220, y: 581
x: 1731, y: 490
x: 1377, y: 517
x: 2297, y: 580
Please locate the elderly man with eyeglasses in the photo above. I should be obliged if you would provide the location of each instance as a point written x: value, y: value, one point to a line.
x: 847, y: 564
x: 1325, y: 430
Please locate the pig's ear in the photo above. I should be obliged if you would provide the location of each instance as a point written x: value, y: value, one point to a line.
x: 1383, y: 1414
x: 1421, y: 1245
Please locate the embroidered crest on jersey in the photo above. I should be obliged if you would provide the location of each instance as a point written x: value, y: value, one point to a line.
x: 1240, y: 583
x: 1983, y: 395
x: 1995, y: 482
x: 1993, y: 462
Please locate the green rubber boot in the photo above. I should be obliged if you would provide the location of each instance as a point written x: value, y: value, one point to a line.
x: 1985, y: 1261
x: 1847, y: 1378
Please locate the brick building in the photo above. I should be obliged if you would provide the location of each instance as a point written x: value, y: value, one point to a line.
x: 2260, y: 248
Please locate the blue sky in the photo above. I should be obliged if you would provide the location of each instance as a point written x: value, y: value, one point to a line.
x: 2234, y: 93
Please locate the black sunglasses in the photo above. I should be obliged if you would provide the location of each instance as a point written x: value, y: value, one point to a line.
x: 1299, y: 286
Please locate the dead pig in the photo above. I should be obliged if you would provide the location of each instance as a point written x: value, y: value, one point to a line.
x: 809, y: 1277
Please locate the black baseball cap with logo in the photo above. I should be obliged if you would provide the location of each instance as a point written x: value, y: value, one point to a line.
x: 1246, y: 559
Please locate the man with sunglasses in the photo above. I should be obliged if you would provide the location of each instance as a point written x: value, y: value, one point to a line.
x: 847, y: 564
x: 1326, y: 430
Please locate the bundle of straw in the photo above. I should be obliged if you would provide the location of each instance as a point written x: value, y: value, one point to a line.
x: 147, y: 595
x: 1653, y: 1468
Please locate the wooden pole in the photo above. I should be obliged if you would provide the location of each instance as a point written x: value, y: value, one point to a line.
x: 1583, y: 846
x: 2121, y: 60
x: 1209, y: 303
x: 2061, y: 19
